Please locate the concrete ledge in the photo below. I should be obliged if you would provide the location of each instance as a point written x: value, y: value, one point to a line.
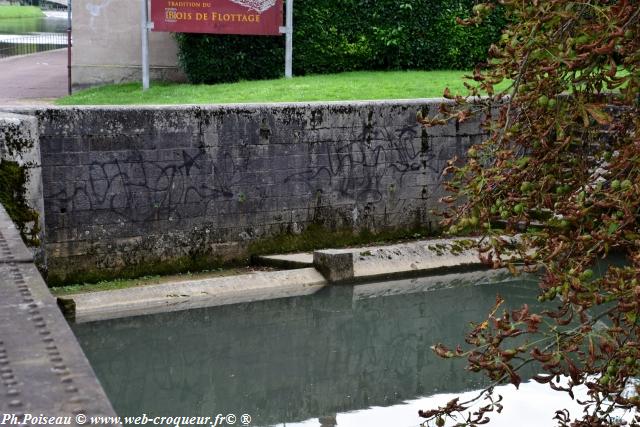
x: 12, y: 249
x: 415, y: 258
x: 412, y: 102
x: 331, y: 266
x: 192, y: 294
x: 42, y: 368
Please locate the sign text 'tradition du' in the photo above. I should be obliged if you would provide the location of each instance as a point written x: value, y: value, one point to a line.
x: 250, y: 17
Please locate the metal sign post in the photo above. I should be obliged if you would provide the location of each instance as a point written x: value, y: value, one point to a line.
x: 144, y: 21
x: 69, y: 83
x: 288, y: 56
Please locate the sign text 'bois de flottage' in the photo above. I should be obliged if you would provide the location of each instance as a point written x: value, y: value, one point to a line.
x: 250, y: 17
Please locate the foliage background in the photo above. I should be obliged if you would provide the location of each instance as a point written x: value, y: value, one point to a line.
x: 559, y: 172
x: 348, y: 35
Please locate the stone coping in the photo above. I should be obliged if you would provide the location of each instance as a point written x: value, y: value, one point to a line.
x: 231, y: 106
x: 42, y: 367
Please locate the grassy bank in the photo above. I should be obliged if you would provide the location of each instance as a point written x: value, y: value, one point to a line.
x: 367, y: 85
x: 13, y: 12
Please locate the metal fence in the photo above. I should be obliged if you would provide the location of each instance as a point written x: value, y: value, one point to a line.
x: 23, y: 44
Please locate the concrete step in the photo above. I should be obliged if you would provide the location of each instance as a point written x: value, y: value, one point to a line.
x: 404, y: 259
x: 287, y: 261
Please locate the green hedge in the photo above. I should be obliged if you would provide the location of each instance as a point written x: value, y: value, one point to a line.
x: 346, y: 35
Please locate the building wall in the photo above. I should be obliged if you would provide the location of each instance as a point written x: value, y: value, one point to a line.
x: 107, y: 45
x: 136, y: 186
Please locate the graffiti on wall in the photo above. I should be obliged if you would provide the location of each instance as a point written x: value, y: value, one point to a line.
x: 140, y: 190
x: 372, y: 163
x: 365, y: 166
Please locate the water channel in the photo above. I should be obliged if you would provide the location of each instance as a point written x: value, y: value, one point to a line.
x: 348, y: 355
x: 31, y: 35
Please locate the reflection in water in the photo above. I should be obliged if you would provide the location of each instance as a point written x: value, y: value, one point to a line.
x: 532, y: 406
x: 31, y: 35
x: 289, y: 360
x: 33, y: 25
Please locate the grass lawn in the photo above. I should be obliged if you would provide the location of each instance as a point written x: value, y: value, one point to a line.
x: 7, y: 12
x: 365, y: 85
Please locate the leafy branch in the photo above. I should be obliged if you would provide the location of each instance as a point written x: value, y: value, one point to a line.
x: 559, y: 169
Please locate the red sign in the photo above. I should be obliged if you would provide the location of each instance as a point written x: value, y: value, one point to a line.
x: 256, y: 17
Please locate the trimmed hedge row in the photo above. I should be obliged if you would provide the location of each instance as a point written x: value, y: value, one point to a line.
x: 347, y: 35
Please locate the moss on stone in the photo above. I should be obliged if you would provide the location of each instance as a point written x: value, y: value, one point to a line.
x: 13, y: 181
x: 318, y: 237
x: 312, y: 238
x: 14, y: 139
x: 165, y: 267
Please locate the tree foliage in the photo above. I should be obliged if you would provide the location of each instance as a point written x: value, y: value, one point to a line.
x: 560, y: 170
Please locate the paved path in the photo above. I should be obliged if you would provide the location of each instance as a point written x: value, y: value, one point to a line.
x: 33, y: 79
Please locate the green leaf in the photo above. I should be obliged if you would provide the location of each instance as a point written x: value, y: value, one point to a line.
x: 598, y: 114
x: 631, y: 317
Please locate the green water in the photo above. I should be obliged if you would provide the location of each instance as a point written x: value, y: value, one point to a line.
x: 33, y: 25
x: 284, y: 361
x: 30, y: 35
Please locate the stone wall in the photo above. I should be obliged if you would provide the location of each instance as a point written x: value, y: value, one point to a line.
x: 154, y: 186
x: 19, y: 146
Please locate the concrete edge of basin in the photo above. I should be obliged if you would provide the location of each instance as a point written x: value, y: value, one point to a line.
x: 15, y: 250
x: 191, y: 294
x: 44, y: 369
x: 330, y: 267
x: 410, y: 259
